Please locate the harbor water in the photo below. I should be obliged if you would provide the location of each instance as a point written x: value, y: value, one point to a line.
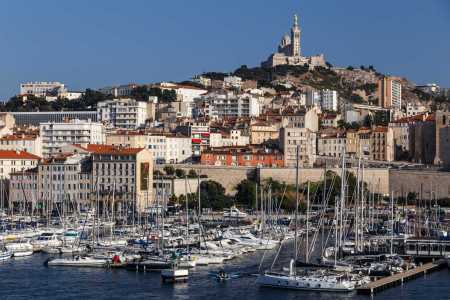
x: 28, y: 278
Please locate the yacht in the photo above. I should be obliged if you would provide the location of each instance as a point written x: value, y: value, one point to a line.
x: 46, y: 239
x: 78, y: 261
x: 20, y: 248
x: 313, y: 282
x: 234, y: 213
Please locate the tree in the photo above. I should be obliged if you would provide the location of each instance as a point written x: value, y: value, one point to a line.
x: 180, y: 173
x: 355, y: 98
x: 246, y: 193
x: 169, y: 170
x: 381, y: 118
x: 350, y: 68
x: 341, y: 124
x: 212, y: 195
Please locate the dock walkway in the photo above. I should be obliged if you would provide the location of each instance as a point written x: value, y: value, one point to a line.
x: 389, y: 281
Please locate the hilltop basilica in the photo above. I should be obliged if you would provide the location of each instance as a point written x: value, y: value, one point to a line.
x: 289, y: 51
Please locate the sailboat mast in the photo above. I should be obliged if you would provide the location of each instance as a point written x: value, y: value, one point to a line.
x: 296, y: 206
x: 307, y: 227
x: 187, y: 213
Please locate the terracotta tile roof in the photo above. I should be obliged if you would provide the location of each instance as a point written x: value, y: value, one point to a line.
x: 12, y: 154
x: 13, y: 137
x: 109, y: 149
x: 380, y: 129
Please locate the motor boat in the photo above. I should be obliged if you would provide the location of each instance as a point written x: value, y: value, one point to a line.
x: 78, y: 261
x: 150, y: 264
x: 234, y: 213
x: 174, y: 274
x: 46, y: 239
x: 20, y: 248
x: 5, y: 254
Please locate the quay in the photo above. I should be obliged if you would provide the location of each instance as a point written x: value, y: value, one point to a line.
x: 396, y: 279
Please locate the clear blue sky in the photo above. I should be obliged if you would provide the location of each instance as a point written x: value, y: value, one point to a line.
x: 93, y: 43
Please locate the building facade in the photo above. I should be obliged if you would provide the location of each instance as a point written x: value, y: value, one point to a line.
x: 56, y: 135
x: 35, y: 118
x: 301, y: 140
x: 389, y: 93
x: 40, y: 89
x: 23, y: 142
x: 122, y: 113
x: 236, y: 156
x: 12, y: 161
x: 128, y: 172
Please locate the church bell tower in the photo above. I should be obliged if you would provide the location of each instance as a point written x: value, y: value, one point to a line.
x: 295, y: 38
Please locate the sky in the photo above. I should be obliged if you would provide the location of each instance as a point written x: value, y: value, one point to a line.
x: 96, y: 43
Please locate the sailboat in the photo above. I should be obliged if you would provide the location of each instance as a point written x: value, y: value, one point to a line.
x: 317, y: 281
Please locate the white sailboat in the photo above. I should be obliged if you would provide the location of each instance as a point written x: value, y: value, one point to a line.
x: 317, y: 281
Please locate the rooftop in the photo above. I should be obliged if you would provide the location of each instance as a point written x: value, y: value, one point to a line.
x: 12, y: 154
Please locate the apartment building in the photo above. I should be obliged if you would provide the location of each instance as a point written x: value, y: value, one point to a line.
x: 23, y: 190
x: 242, y: 156
x: 262, y: 131
x: 40, y: 89
x: 378, y: 142
x: 389, y: 93
x: 126, y: 171
x: 30, y: 143
x: 302, y: 139
x: 227, y: 104
x: 331, y: 143
x: 233, y: 137
x: 123, y: 113
x: 165, y: 148
x: 325, y: 99
x: 12, y: 161
x: 65, y: 182
x: 56, y: 135
x: 124, y: 90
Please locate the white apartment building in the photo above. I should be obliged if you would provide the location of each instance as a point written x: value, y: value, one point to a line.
x: 205, y: 81
x: 40, y: 89
x: 396, y: 93
x: 22, y: 142
x: 305, y: 140
x: 329, y: 100
x: 413, y: 109
x: 325, y: 99
x: 164, y: 148
x: 70, y: 95
x: 227, y: 104
x: 12, y: 161
x: 118, y: 91
x: 169, y: 149
x: 233, y: 138
x: 232, y: 82
x: 122, y: 113
x: 185, y: 93
x: 56, y: 135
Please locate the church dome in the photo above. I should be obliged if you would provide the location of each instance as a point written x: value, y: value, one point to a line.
x: 286, y: 40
